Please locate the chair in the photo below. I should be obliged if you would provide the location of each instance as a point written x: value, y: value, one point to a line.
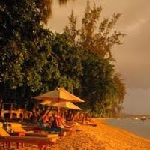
x: 2, y: 131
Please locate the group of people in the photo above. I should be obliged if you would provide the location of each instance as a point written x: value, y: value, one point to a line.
x: 53, y: 122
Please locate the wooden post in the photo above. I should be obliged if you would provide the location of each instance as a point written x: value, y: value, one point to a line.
x: 11, y: 109
x: 1, y: 103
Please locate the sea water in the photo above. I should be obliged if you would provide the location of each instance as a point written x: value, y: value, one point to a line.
x: 138, y: 127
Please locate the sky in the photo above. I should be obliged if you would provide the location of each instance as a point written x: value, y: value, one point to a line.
x: 132, y: 58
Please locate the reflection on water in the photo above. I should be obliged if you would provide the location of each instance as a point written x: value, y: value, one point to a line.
x: 138, y: 127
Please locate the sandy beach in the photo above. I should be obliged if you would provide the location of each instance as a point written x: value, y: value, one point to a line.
x: 101, y: 137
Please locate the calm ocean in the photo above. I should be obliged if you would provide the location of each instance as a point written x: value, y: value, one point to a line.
x: 138, y: 127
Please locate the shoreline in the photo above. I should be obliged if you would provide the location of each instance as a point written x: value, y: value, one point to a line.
x: 122, y: 130
x: 131, y: 128
x: 101, y: 137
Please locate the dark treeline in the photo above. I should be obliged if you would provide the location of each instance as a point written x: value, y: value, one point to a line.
x: 34, y: 60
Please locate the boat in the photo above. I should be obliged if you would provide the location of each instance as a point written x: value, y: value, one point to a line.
x: 143, y: 118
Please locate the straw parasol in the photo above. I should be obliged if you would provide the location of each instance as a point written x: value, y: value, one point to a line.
x: 59, y: 95
x: 45, y: 102
x: 65, y: 105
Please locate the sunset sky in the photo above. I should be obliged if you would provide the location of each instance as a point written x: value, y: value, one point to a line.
x: 133, y: 57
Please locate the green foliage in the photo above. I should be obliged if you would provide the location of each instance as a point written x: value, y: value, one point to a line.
x: 100, y: 87
x: 25, y: 47
x: 96, y: 35
x: 45, y: 8
x: 34, y: 60
x: 69, y: 62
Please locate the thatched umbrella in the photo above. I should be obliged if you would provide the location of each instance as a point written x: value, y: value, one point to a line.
x: 65, y: 105
x: 59, y: 95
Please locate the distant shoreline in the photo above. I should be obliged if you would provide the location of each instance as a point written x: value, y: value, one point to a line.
x: 136, y: 126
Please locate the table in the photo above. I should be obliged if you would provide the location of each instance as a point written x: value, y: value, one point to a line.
x: 41, y: 142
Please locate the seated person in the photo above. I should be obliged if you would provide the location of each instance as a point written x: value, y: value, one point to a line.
x: 8, y: 127
x: 56, y: 124
x: 44, y: 120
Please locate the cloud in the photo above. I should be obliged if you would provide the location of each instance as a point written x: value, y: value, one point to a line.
x: 136, y: 26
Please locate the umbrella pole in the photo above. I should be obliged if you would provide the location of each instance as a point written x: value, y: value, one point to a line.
x: 58, y: 101
x: 58, y: 109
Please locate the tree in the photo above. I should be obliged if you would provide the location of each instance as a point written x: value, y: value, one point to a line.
x: 34, y: 60
x: 45, y: 7
x: 30, y: 58
x: 25, y: 47
x: 121, y: 91
x: 96, y: 38
x: 69, y: 62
